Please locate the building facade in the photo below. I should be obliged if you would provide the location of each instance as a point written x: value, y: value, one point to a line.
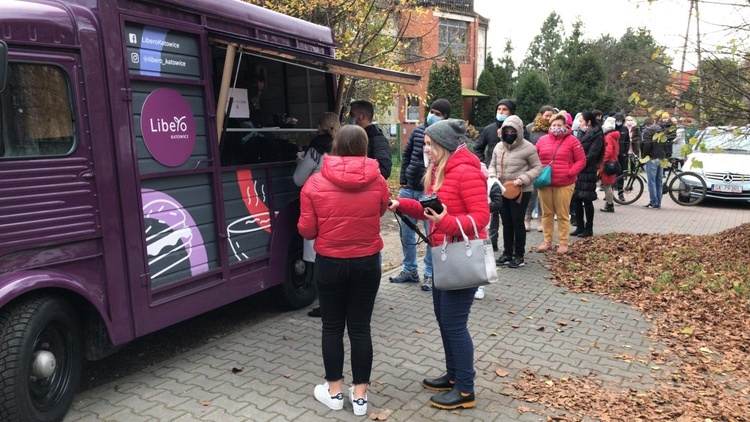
x: 446, y: 24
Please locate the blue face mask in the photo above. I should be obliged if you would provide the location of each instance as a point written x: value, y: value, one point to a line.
x: 351, y: 121
x: 431, y: 118
x: 501, y: 117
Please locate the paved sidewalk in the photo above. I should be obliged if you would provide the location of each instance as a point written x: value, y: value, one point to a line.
x: 282, y: 362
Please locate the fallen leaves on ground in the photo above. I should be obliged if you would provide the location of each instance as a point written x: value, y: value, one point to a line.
x: 696, y: 292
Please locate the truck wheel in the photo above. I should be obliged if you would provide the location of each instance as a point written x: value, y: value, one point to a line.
x: 40, y: 360
x: 298, y: 289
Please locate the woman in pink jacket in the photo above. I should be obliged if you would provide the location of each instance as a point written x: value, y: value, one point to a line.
x: 565, y: 153
x: 455, y: 175
x: 340, y: 207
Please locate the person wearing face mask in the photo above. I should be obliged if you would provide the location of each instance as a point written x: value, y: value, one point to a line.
x: 414, y: 160
x: 361, y: 114
x: 564, y: 152
x: 624, y: 147
x: 536, y: 129
x: 585, y: 189
x: 611, y: 153
x: 514, y: 160
x: 486, y: 145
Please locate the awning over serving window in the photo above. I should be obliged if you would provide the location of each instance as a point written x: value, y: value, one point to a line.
x: 331, y: 65
x: 466, y: 92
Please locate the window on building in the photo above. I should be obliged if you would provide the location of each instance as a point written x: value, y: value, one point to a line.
x: 36, y: 117
x: 412, y: 49
x: 412, y: 108
x: 454, y: 35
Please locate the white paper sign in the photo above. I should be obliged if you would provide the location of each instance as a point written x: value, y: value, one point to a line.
x: 240, y: 108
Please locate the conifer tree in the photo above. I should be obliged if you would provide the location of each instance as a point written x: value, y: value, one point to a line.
x: 445, y: 82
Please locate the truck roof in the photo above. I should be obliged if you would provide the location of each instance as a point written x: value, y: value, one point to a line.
x: 53, y: 23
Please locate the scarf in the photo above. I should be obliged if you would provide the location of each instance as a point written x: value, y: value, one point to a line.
x: 540, y: 124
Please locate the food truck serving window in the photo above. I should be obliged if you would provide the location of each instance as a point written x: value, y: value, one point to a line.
x: 36, y: 118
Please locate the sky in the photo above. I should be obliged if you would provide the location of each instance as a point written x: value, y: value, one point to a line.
x: 666, y: 19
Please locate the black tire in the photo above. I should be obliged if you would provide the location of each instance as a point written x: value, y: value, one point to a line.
x: 40, y: 324
x: 298, y: 289
x: 632, y: 188
x: 687, y: 188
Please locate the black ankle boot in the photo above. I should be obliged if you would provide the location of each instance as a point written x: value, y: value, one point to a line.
x: 588, y: 229
x: 608, y: 208
x: 438, y: 384
x: 577, y: 231
x: 453, y: 400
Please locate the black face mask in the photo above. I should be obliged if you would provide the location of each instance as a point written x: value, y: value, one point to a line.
x: 509, y: 138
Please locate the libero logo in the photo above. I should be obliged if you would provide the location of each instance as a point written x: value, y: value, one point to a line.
x: 168, y: 127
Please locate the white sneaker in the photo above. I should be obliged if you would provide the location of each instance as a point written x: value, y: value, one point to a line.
x: 324, y: 396
x: 359, y: 406
x: 479, y: 295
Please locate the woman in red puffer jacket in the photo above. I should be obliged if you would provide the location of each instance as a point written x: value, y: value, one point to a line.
x: 455, y: 175
x: 566, y: 154
x: 340, y: 207
x: 611, y: 153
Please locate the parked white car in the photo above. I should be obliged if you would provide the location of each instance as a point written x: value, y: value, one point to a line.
x: 724, y: 152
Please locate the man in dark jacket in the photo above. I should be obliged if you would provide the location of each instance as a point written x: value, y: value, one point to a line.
x: 361, y: 113
x: 670, y: 133
x: 653, y: 148
x: 489, y: 138
x: 486, y: 145
x: 412, y: 170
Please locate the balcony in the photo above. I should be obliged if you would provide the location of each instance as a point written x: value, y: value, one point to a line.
x: 465, y: 7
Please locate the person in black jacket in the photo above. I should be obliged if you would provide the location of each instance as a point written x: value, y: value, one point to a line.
x: 653, y: 148
x: 361, y: 113
x: 412, y: 170
x: 584, y: 194
x: 484, y: 148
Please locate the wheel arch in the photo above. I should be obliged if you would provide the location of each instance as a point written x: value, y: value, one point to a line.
x: 88, y: 305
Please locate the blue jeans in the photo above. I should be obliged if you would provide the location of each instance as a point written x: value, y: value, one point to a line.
x: 409, y: 239
x: 654, y: 175
x: 347, y: 288
x: 452, y: 309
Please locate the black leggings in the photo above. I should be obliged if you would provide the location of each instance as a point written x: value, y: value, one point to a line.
x: 584, y: 206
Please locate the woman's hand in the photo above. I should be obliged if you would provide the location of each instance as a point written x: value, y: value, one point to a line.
x: 393, y: 205
x: 434, y: 217
x: 518, y: 182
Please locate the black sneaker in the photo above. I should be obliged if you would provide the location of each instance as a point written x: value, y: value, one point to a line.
x: 503, y: 260
x: 516, y: 262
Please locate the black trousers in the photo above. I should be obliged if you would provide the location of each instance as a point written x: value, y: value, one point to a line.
x: 347, y: 288
x: 514, y: 231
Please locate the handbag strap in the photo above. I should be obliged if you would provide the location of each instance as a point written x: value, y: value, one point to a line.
x: 555, y: 154
x: 476, y: 232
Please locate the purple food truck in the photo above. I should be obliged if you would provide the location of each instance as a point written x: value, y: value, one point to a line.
x: 146, y: 157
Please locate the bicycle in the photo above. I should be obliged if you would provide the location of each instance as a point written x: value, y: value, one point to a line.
x: 684, y: 187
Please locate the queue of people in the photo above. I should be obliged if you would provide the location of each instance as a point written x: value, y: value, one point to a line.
x: 350, y: 165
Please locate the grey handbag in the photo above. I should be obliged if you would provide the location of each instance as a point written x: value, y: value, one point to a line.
x: 463, y: 264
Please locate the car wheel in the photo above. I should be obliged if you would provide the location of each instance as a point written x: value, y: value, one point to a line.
x: 40, y: 359
x: 298, y: 289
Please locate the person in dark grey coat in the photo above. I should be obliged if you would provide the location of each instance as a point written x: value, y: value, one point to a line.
x: 413, y: 166
x: 584, y: 194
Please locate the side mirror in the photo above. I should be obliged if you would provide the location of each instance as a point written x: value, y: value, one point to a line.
x: 3, y: 64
